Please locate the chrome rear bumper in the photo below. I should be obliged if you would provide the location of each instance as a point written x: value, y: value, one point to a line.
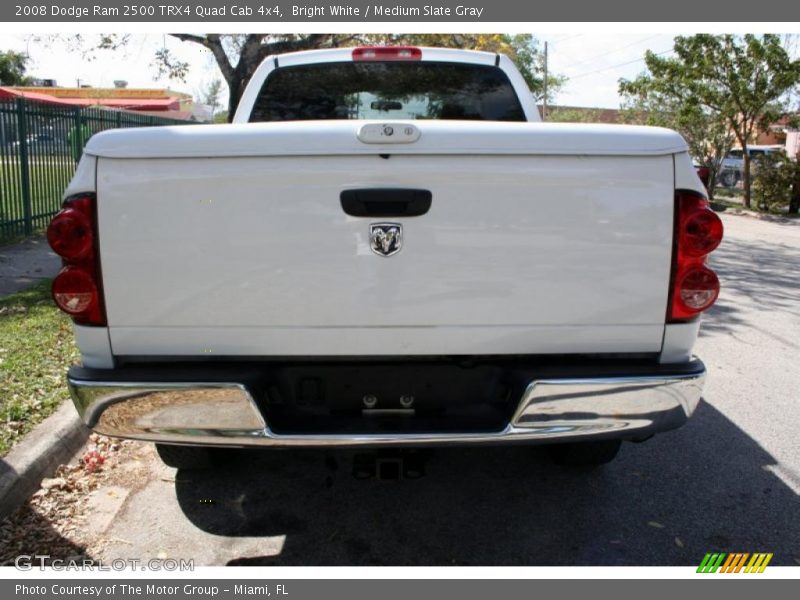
x: 550, y: 410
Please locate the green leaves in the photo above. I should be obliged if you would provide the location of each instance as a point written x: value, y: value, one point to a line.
x: 773, y: 177
x: 12, y: 68
x: 716, y: 87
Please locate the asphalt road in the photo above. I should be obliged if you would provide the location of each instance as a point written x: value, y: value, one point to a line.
x: 727, y: 481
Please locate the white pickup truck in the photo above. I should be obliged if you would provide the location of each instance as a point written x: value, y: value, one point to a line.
x: 386, y: 248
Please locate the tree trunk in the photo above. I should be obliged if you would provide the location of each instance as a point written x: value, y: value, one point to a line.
x: 712, y: 182
x: 794, y: 202
x: 236, y: 89
x: 245, y: 68
x: 746, y: 177
x: 253, y: 52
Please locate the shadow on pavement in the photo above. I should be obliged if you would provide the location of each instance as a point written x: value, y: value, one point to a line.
x: 26, y: 533
x: 754, y: 276
x: 705, y: 487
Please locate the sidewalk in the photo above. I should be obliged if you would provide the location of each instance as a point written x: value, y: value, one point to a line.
x: 25, y: 263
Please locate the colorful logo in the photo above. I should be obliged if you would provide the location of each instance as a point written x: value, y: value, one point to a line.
x: 734, y: 562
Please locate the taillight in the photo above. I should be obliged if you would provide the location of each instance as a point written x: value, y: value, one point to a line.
x: 699, y: 227
x: 698, y: 231
x: 75, y: 292
x: 72, y: 234
x: 371, y: 53
x: 698, y: 288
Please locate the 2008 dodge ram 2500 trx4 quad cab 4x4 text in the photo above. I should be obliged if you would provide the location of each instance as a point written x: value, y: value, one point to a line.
x: 386, y: 248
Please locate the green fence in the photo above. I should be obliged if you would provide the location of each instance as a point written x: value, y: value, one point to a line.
x: 40, y: 145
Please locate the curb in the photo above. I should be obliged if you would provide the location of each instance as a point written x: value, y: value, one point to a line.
x: 52, y: 442
x: 741, y: 212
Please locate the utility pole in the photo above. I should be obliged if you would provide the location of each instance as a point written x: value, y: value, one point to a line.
x: 544, y: 101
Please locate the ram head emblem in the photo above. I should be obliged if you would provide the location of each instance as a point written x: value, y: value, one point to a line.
x: 386, y: 238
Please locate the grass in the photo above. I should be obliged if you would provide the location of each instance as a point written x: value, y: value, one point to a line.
x: 36, y: 347
x: 720, y: 204
x: 725, y: 198
x: 722, y: 192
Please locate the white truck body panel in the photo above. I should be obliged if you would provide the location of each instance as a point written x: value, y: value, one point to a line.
x: 337, y: 138
x: 526, y: 249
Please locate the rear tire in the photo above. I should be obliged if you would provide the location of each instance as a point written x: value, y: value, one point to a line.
x: 729, y: 179
x: 585, y: 454
x: 185, y: 457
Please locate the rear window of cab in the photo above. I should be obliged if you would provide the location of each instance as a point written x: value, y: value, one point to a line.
x: 387, y: 89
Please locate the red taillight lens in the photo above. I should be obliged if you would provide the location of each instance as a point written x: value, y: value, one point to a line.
x: 369, y: 53
x: 698, y: 231
x: 70, y: 234
x: 74, y: 291
x: 696, y: 289
x: 73, y: 236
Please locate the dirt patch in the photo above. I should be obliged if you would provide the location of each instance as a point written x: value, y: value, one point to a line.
x: 62, y: 519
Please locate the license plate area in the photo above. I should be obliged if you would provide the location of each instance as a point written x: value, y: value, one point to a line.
x: 375, y: 398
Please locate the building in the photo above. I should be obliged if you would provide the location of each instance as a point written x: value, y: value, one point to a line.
x: 161, y: 102
x: 783, y: 133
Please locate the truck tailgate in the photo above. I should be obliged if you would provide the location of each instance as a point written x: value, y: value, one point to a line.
x: 522, y: 251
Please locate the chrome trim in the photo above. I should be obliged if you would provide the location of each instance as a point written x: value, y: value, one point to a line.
x: 616, y: 401
x: 386, y: 239
x: 205, y: 411
x: 550, y: 410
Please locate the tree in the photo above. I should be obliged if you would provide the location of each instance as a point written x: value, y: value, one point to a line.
x: 238, y: 56
x: 12, y: 68
x: 773, y: 181
x: 560, y: 114
x: 794, y: 200
x: 706, y: 132
x: 742, y: 80
x: 210, y: 95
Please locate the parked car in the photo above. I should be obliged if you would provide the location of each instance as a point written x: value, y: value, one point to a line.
x: 386, y: 248
x: 42, y: 143
x: 732, y: 169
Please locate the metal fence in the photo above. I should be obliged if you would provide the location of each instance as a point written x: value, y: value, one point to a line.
x: 40, y: 145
